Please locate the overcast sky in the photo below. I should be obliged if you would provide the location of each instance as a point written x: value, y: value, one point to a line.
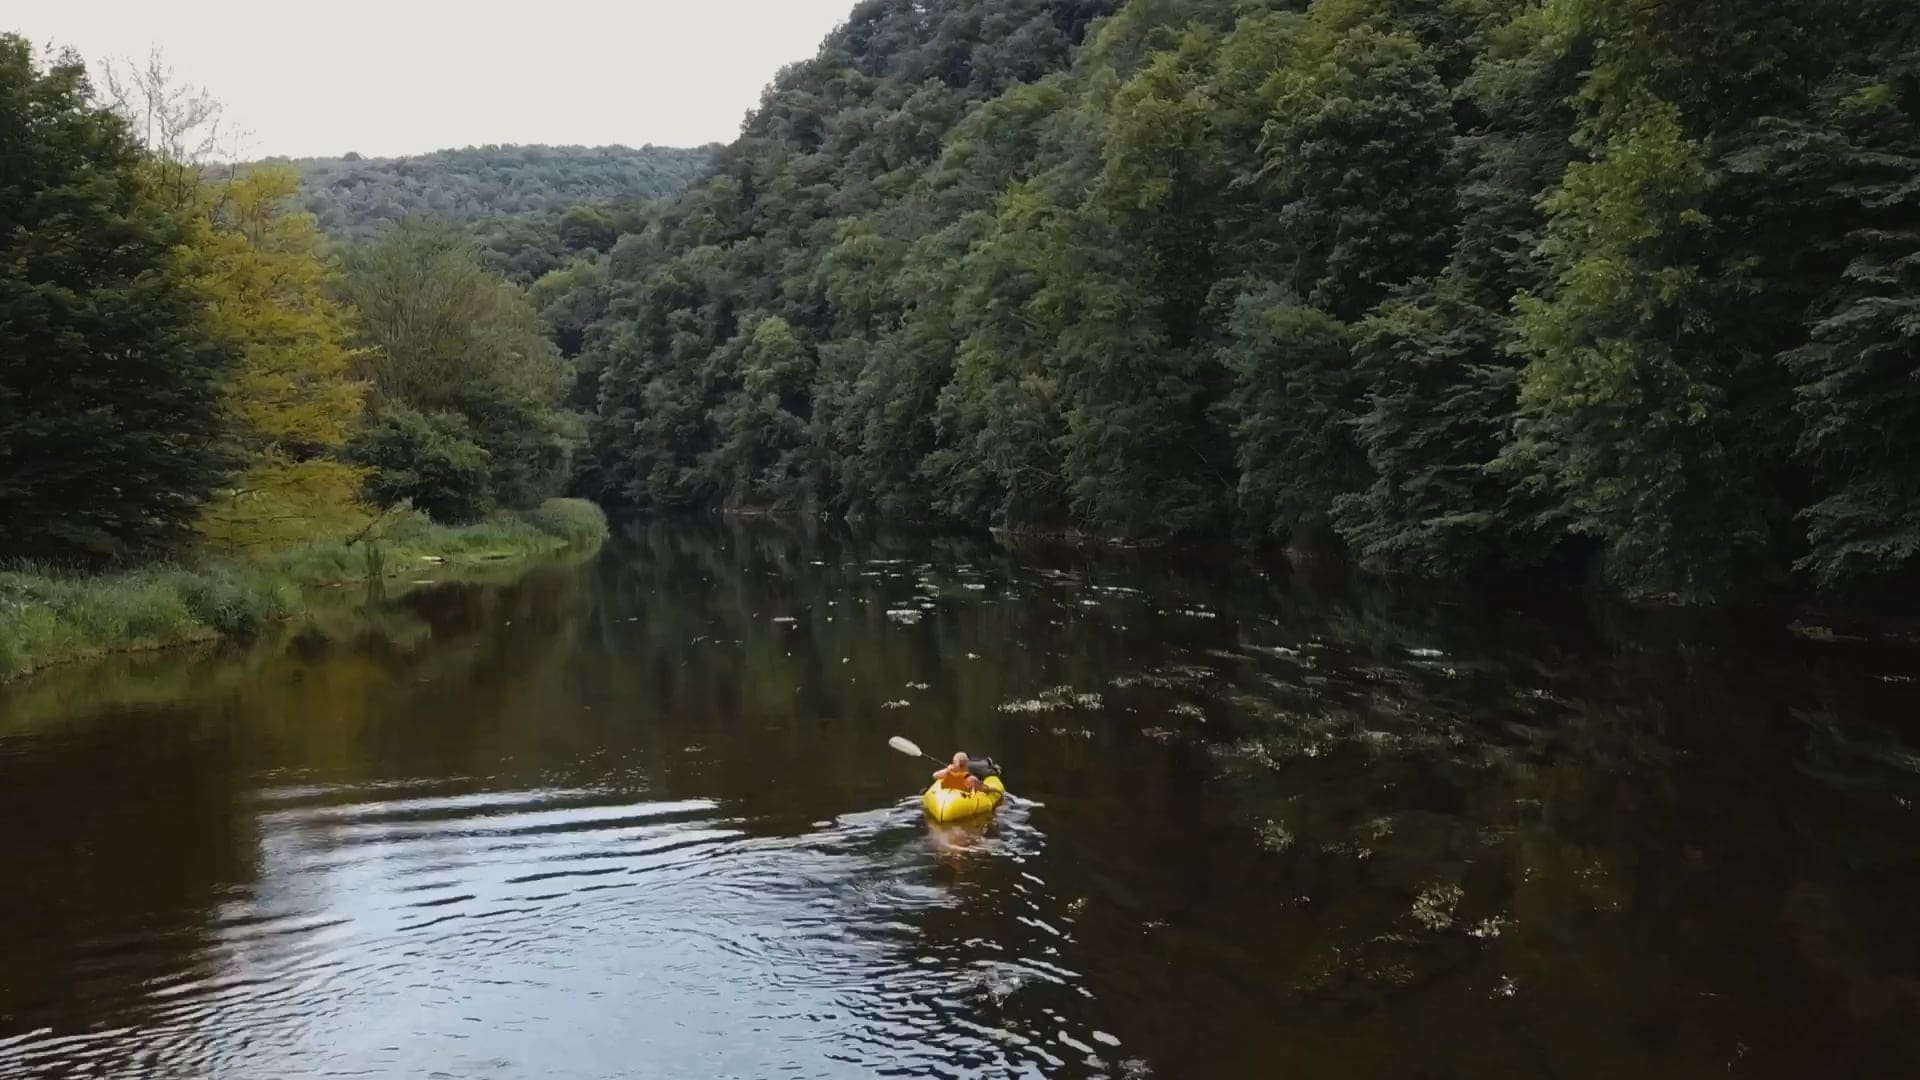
x: 388, y: 77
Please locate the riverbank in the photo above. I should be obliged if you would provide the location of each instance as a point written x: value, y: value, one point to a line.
x: 49, y: 618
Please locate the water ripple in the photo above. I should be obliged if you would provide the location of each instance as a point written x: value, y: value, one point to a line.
x: 383, y: 911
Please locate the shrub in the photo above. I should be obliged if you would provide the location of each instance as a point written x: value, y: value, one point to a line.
x: 576, y: 521
x: 426, y: 459
x: 231, y: 605
x: 48, y: 617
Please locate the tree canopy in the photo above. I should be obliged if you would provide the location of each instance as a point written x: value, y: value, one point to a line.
x: 112, y: 431
x: 1458, y: 286
x: 354, y: 197
x: 293, y: 400
x: 466, y: 388
x: 184, y: 361
x: 1451, y: 286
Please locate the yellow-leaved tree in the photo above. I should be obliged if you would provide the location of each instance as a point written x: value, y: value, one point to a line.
x: 293, y: 400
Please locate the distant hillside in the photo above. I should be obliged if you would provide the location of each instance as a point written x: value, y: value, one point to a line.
x: 354, y: 196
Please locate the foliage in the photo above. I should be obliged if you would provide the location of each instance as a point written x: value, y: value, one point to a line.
x: 111, y: 427
x: 1463, y: 286
x: 355, y: 197
x: 163, y: 331
x: 570, y: 299
x: 1615, y: 416
x: 576, y: 521
x: 424, y: 459
x: 462, y: 378
x: 1293, y: 394
x: 1356, y: 150
x: 1856, y: 371
x: 50, y: 618
x: 1438, y: 391
x: 293, y: 399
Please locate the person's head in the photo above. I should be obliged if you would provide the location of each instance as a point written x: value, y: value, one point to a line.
x: 960, y: 760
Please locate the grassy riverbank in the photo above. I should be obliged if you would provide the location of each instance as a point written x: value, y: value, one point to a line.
x: 48, y: 617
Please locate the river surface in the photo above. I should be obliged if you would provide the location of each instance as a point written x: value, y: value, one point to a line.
x: 636, y: 817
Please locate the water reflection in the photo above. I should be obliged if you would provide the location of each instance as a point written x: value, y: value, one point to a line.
x: 638, y: 817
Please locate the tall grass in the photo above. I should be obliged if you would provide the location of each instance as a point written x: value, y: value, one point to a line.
x: 576, y: 521
x: 48, y: 616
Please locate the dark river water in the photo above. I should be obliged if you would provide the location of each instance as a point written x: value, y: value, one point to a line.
x: 636, y: 816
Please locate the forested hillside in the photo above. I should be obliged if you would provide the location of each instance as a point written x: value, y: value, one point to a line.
x: 1452, y: 286
x: 354, y: 197
x: 1456, y: 285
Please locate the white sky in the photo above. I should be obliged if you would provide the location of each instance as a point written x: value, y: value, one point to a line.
x: 391, y: 77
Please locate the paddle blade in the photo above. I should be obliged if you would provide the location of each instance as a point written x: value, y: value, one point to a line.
x: 905, y: 747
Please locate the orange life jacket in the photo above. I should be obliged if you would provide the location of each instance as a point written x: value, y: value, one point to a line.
x: 956, y: 778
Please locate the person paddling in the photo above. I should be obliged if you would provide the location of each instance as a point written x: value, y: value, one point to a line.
x: 958, y: 775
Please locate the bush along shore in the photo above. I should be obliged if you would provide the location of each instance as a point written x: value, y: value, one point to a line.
x: 49, y: 617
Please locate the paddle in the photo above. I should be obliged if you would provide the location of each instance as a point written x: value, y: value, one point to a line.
x: 912, y: 749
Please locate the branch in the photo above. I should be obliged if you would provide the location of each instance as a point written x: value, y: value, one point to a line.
x: 377, y: 519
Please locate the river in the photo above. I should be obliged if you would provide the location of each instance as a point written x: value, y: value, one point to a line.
x: 636, y: 817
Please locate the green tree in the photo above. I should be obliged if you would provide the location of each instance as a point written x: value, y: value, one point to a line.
x: 1439, y: 394
x: 1437, y: 362
x: 1857, y: 390
x: 764, y: 458
x: 587, y: 228
x: 1002, y: 414
x: 524, y: 191
x: 1621, y: 411
x: 1293, y: 399
x: 570, y: 299
x: 1469, y: 285
x: 293, y: 399
x: 428, y: 460
x: 443, y: 336
x: 1357, y: 147
x: 1163, y: 177
x: 663, y: 379
x: 1142, y: 457
x: 112, y: 432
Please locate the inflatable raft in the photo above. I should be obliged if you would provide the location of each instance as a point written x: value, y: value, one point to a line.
x: 950, y: 804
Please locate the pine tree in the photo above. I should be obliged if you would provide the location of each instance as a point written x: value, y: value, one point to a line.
x: 1858, y: 395
x: 112, y: 431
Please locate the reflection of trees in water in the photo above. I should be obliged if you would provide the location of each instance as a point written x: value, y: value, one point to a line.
x: 128, y: 797
x: 719, y: 663
x: 1630, y: 804
x: 122, y: 841
x: 1617, y: 811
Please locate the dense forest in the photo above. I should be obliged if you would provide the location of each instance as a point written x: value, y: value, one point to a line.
x: 1457, y: 286
x: 188, y: 366
x: 353, y: 197
x: 1454, y: 287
